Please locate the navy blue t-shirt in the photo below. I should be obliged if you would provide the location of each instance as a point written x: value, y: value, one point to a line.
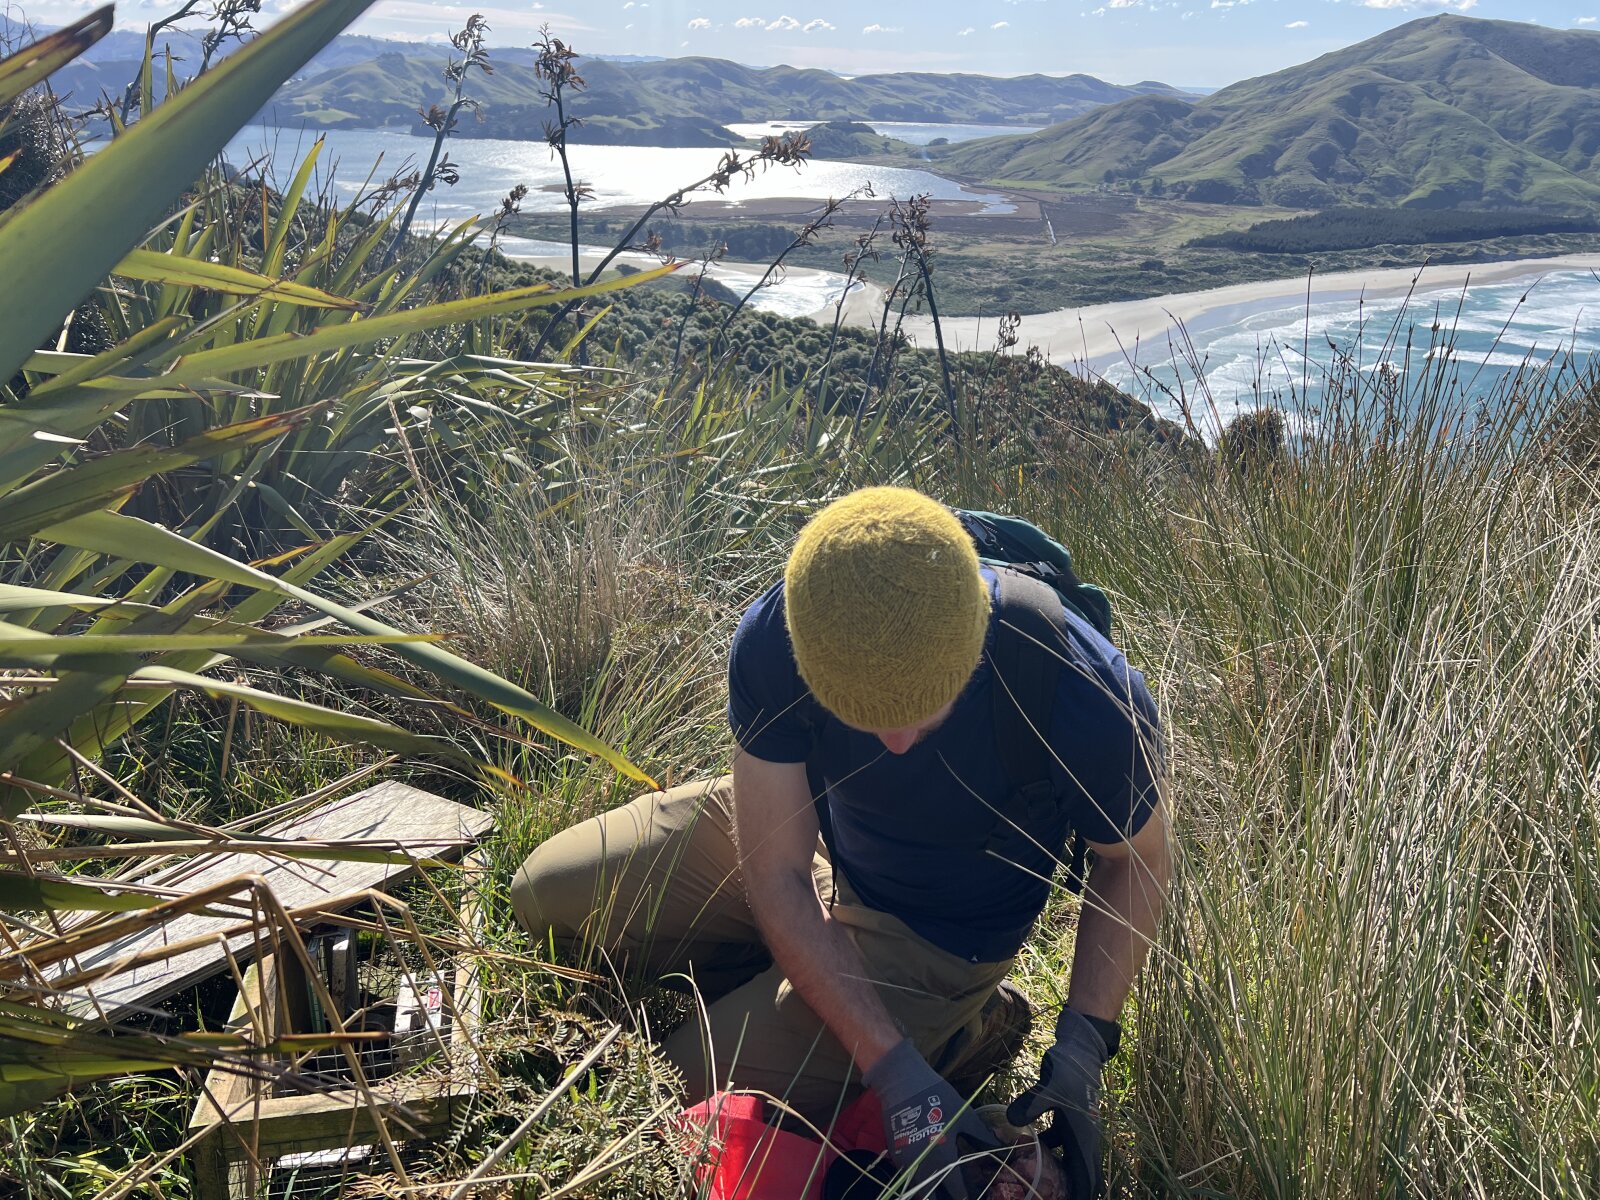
x: 916, y: 834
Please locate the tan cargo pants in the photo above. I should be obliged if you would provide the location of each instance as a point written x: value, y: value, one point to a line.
x: 654, y: 888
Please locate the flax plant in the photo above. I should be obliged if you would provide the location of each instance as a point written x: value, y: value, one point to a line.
x: 108, y: 616
x: 468, y: 43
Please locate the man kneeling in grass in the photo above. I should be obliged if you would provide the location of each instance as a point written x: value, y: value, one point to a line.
x: 850, y: 901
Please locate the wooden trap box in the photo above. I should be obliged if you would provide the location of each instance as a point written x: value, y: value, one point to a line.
x: 262, y: 1138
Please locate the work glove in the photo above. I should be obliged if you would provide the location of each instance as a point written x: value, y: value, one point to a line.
x: 922, y: 1114
x: 1069, y: 1087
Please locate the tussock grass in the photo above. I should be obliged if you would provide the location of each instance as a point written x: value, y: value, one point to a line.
x: 1376, y: 654
x: 1376, y: 659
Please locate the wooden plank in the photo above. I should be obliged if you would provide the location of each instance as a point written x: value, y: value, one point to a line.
x: 245, y: 1126
x: 259, y: 1007
x: 403, y: 817
x: 335, y: 1120
x: 225, y: 1092
x: 257, y: 1013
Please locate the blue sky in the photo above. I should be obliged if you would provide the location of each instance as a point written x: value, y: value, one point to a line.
x: 1186, y: 42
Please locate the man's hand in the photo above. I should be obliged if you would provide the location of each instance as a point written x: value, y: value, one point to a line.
x: 1069, y: 1087
x: 922, y: 1114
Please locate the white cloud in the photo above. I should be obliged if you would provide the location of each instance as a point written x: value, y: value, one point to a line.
x: 1124, y: 4
x: 1001, y: 25
x: 881, y: 29
x: 964, y: 32
x: 428, y: 15
x: 1455, y: 5
x: 749, y: 23
x: 815, y: 24
x: 784, y: 23
x: 1583, y: 20
x: 700, y: 23
x: 1297, y: 25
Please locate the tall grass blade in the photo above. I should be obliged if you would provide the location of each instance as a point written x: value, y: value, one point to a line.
x: 25, y: 893
x: 21, y: 647
x: 69, y: 493
x: 342, y: 726
x: 203, y: 365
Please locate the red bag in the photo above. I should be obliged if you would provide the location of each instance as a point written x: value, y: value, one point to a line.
x: 747, y: 1159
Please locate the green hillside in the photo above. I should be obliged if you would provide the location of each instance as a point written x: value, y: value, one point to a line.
x: 727, y: 92
x: 1443, y: 112
x: 684, y: 101
x: 851, y: 139
x: 386, y: 91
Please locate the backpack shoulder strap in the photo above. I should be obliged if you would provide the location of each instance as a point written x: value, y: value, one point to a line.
x: 1027, y: 639
x: 1029, y: 644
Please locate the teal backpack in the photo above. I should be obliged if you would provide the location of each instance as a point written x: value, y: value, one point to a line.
x: 1036, y: 578
x: 1024, y: 547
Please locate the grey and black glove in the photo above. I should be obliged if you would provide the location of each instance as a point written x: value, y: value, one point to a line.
x: 922, y: 1114
x: 1069, y: 1087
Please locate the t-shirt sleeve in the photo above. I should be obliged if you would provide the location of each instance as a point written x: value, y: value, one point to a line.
x: 1119, y: 761
x: 765, y: 691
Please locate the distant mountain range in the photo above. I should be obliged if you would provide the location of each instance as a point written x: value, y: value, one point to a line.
x: 127, y: 46
x: 385, y: 93
x: 1443, y: 112
x: 688, y: 100
x: 372, y: 83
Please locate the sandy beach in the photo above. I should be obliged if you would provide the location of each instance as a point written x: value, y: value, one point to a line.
x: 1097, y: 333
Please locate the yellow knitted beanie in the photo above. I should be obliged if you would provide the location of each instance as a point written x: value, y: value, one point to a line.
x: 886, y: 610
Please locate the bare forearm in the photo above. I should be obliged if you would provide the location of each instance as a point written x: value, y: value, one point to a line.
x: 823, y: 964
x: 1121, y: 908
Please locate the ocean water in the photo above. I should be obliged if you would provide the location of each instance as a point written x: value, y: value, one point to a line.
x: 354, y: 159
x: 491, y: 167
x: 793, y: 294
x: 1287, y: 354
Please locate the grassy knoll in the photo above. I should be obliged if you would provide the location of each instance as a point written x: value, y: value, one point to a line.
x: 1359, y: 228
